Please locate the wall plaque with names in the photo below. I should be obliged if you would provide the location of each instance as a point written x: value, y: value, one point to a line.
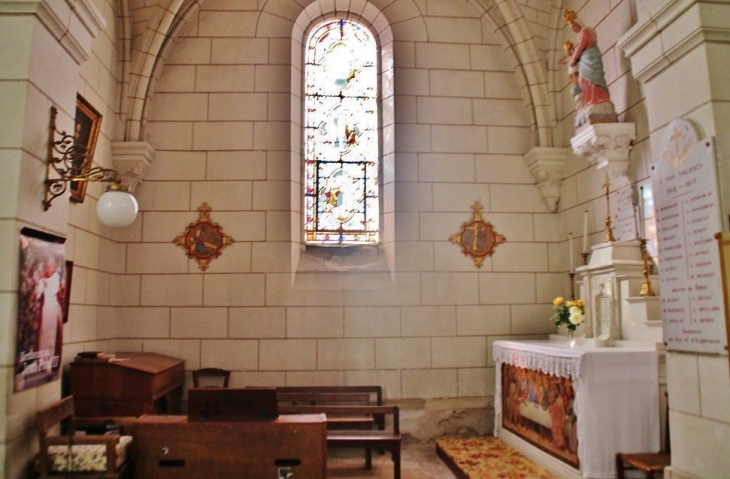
x: 688, y: 217
x: 623, y: 210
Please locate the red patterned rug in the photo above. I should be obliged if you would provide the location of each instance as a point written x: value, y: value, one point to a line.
x: 485, y: 457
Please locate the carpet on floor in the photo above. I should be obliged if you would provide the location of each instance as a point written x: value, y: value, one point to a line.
x: 486, y: 457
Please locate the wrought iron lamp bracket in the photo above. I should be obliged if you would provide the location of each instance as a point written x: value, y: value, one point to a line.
x: 68, y: 161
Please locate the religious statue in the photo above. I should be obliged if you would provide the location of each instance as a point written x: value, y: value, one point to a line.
x: 594, y: 105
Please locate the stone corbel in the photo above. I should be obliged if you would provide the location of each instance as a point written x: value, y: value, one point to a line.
x: 608, y: 144
x: 132, y: 159
x: 547, y: 166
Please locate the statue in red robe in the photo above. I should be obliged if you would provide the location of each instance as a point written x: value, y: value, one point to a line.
x: 595, y: 104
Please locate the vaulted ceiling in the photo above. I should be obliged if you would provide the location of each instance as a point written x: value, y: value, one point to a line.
x: 530, y: 29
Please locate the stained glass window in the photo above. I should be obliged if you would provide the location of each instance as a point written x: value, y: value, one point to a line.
x: 341, y: 151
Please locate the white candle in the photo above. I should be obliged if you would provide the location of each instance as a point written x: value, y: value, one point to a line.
x: 585, y: 231
x: 570, y: 248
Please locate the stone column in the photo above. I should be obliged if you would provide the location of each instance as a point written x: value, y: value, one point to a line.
x: 679, y: 51
x: 44, y: 41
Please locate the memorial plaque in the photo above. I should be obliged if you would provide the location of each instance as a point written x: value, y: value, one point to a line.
x: 688, y: 217
x: 624, y: 212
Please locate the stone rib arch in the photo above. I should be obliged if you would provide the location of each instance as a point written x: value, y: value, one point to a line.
x: 143, y: 102
x: 514, y: 61
x: 511, y: 25
x: 145, y: 59
x: 555, y: 53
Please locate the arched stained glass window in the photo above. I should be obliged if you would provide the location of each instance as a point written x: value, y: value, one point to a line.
x: 341, y: 128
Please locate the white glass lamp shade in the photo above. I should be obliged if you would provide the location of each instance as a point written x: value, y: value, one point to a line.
x: 117, y: 207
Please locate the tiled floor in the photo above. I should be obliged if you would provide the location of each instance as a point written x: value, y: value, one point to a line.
x: 418, y: 461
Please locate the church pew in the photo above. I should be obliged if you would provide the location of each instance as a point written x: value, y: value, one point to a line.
x: 389, y: 440
x: 338, y: 395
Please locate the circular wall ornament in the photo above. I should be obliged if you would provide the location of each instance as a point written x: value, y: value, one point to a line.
x: 477, y: 237
x: 203, y: 240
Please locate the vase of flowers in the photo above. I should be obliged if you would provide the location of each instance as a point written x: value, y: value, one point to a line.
x: 570, y: 314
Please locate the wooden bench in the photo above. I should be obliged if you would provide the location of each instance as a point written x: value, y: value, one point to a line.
x: 173, y: 447
x: 377, y: 391
x: 337, y: 396
x: 359, y: 438
x: 67, y: 455
x: 364, y: 421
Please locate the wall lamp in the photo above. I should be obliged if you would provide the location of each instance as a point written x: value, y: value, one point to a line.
x: 67, y: 161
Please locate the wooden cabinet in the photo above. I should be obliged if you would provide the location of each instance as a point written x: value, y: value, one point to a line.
x: 171, y: 447
x: 129, y: 384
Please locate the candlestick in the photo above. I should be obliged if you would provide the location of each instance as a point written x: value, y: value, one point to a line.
x: 646, y: 289
x: 608, y: 234
x: 585, y: 232
x: 585, y: 258
x: 570, y: 244
x: 571, y: 275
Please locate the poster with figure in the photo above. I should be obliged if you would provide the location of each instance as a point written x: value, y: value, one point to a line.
x: 539, y: 408
x: 42, y: 293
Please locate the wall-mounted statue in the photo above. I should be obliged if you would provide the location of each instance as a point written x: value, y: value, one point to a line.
x: 593, y: 99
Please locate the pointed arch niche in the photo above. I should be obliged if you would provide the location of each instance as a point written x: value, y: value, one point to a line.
x: 378, y: 257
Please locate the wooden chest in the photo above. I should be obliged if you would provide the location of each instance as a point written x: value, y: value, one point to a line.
x: 130, y: 384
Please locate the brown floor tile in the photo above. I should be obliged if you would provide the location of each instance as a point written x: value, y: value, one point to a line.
x: 418, y: 461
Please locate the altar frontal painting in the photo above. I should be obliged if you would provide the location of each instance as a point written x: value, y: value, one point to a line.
x: 539, y: 408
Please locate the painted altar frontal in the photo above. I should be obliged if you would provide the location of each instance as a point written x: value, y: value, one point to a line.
x: 573, y: 409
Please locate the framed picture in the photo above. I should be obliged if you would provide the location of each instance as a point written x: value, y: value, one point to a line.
x: 86, y: 132
x: 42, y: 294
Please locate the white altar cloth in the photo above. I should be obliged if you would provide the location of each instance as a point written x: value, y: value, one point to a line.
x: 616, y: 396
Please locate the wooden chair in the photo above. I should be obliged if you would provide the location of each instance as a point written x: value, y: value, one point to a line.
x: 650, y: 463
x: 202, y: 378
x: 91, y: 456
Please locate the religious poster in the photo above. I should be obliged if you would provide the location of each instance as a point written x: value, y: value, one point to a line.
x: 539, y: 408
x: 688, y: 217
x: 41, y: 303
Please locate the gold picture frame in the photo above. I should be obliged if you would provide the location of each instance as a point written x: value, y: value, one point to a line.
x: 86, y: 132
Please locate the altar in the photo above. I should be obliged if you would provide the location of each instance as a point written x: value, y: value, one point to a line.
x: 573, y: 409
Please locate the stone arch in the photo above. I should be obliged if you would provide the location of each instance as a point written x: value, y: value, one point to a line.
x: 510, y: 23
x: 145, y: 54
